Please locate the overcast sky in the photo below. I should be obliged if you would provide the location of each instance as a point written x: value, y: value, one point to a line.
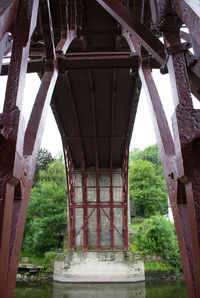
x: 143, y: 133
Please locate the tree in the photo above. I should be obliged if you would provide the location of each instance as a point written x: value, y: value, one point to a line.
x: 55, y: 173
x: 147, y: 190
x: 45, y: 218
x: 47, y: 207
x: 43, y: 161
x: 135, y: 154
x: 151, y: 154
x: 157, y: 234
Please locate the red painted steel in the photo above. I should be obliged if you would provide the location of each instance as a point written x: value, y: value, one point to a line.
x: 99, y: 206
x: 189, y: 13
x: 18, y: 145
x: 84, y: 63
x: 131, y: 23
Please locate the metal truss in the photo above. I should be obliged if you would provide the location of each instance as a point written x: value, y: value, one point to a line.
x: 39, y: 41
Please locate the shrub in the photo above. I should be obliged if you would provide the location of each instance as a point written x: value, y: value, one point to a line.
x: 147, y: 189
x: 49, y: 259
x: 157, y: 234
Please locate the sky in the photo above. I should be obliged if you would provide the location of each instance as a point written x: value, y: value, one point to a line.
x: 143, y: 132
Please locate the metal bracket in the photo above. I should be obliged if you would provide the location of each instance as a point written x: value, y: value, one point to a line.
x: 178, y: 48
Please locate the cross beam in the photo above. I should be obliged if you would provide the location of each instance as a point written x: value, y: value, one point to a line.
x: 129, y: 21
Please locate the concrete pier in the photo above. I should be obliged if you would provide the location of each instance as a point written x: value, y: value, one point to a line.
x: 98, y: 267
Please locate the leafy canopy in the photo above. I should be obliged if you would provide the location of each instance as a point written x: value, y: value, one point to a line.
x: 151, y: 154
x: 147, y: 189
x: 157, y: 234
x: 43, y: 161
x: 46, y: 211
x: 147, y: 186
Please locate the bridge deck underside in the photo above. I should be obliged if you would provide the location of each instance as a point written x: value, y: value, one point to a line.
x: 96, y: 110
x: 95, y: 104
x: 92, y: 56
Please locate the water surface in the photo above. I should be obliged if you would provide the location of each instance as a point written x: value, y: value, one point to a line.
x: 149, y: 289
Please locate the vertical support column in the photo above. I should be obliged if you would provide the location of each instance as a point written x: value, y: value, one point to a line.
x: 71, y: 198
x: 15, y: 182
x: 167, y: 153
x: 98, y: 210
x: 92, y: 89
x: 177, y: 194
x: 187, y: 145
x: 71, y: 195
x: 125, y: 197
x: 112, y: 236
x: 85, y: 205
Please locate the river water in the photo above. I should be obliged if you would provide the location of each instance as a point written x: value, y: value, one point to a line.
x: 149, y: 289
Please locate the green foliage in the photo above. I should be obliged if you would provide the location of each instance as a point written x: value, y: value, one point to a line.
x: 147, y: 189
x: 167, y: 289
x: 49, y: 259
x: 45, y: 218
x: 48, y: 201
x: 135, y: 154
x: 155, y: 266
x: 43, y: 161
x: 55, y: 173
x: 157, y: 234
x: 150, y: 154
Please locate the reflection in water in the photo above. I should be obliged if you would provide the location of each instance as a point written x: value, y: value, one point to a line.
x: 34, y: 290
x: 150, y: 289
x: 119, y: 290
x: 165, y: 289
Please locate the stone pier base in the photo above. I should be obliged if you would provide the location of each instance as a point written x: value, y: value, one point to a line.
x: 98, y: 267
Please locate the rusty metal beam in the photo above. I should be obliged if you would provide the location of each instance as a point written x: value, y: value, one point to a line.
x: 47, y: 34
x: 20, y: 148
x: 77, y: 62
x: 8, y: 15
x: 168, y: 158
x: 97, y: 60
x: 193, y: 67
x: 112, y: 236
x: 15, y: 184
x: 93, y: 32
x: 2, y: 49
x: 186, y: 142
x: 96, y: 150
x: 33, y: 66
x: 40, y: 109
x: 129, y: 21
x: 189, y: 13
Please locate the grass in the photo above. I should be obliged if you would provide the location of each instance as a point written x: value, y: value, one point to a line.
x: 135, y: 223
x: 46, y: 262
x: 155, y: 266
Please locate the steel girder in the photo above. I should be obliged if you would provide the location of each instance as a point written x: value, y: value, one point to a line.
x: 19, y: 146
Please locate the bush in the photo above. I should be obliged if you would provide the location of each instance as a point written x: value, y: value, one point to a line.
x: 147, y: 189
x: 49, y: 259
x: 157, y: 234
x: 45, y: 219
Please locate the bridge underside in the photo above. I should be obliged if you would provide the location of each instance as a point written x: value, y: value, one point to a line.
x: 92, y: 58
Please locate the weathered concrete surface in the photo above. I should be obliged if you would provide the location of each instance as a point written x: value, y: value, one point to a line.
x: 98, y: 267
x: 99, y: 290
